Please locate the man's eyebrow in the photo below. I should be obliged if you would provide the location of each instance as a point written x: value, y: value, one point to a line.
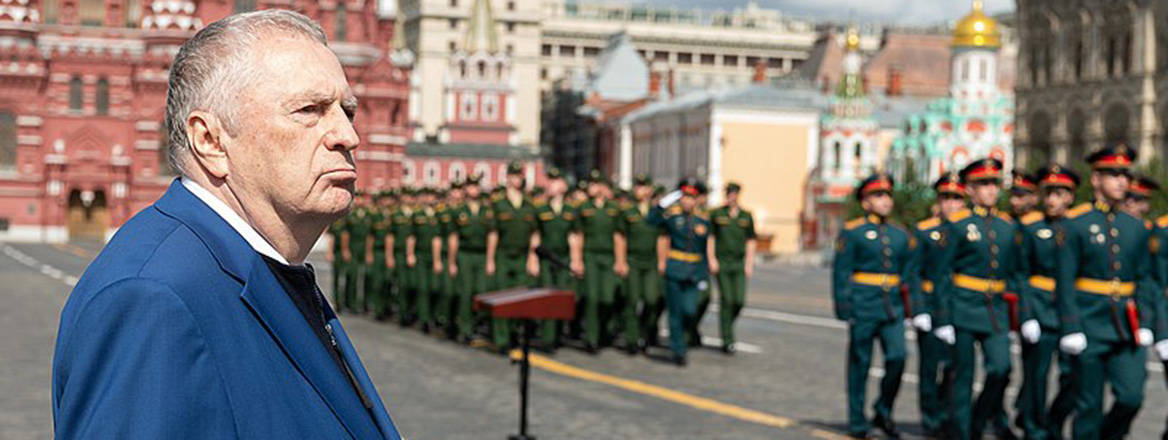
x: 313, y: 96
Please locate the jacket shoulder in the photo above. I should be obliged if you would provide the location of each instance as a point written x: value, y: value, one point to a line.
x: 929, y: 223
x: 959, y: 215
x: 1031, y: 218
x: 855, y: 223
x: 1078, y: 211
x: 1162, y: 221
x: 1006, y: 217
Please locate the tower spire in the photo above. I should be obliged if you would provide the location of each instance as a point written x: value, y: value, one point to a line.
x: 481, y: 35
x: 399, y: 54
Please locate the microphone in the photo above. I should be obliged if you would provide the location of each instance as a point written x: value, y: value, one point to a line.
x: 550, y: 257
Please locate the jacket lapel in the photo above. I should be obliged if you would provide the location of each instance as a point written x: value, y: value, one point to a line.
x: 380, y: 415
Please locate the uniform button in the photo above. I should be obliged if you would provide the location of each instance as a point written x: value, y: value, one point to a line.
x: 888, y: 252
x: 887, y: 265
x: 884, y: 239
x: 992, y: 235
x: 1114, y: 232
x: 1115, y: 248
x: 994, y: 264
x: 1116, y: 265
x: 1110, y: 217
x: 994, y: 248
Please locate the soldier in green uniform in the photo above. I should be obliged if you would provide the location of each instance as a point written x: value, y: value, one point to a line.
x: 1136, y: 203
x: 695, y: 335
x: 444, y: 309
x: 471, y: 241
x: 979, y: 265
x: 935, y: 355
x: 558, y: 235
x: 687, y: 266
x: 734, y: 245
x: 428, y: 253
x: 400, y: 238
x: 873, y: 258
x: 1106, y: 297
x: 355, y: 245
x: 602, y: 258
x: 337, y: 258
x: 641, y: 287
x: 518, y: 234
x: 377, y: 277
x: 1023, y: 194
x: 1160, y: 270
x: 1037, y: 312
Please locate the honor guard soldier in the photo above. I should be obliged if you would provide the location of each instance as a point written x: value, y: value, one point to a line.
x: 1137, y: 203
x: 428, y: 255
x: 377, y: 287
x: 734, y: 246
x: 695, y: 335
x: 932, y: 234
x: 446, y: 308
x: 1160, y: 270
x: 401, y: 238
x: 686, y: 267
x: 978, y: 266
x: 873, y: 257
x: 642, y: 285
x: 355, y: 244
x: 602, y: 261
x: 1106, y: 297
x: 1023, y: 194
x: 1037, y: 311
x: 471, y: 242
x: 558, y: 235
x: 518, y: 238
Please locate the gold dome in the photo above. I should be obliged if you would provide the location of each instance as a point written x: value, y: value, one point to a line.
x: 977, y: 30
x: 852, y: 41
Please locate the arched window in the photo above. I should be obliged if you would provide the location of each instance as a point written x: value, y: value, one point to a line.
x: 457, y: 171
x: 857, y: 157
x: 484, y: 172
x: 7, y: 139
x: 408, y: 174
x: 342, y: 26
x: 102, y: 101
x: 50, y: 11
x: 965, y: 69
x: 92, y: 12
x: 133, y: 13
x: 430, y: 173
x: 1078, y: 59
x: 836, y: 155
x: 482, y: 69
x: 75, y: 94
x: 983, y: 70
x: 245, y: 5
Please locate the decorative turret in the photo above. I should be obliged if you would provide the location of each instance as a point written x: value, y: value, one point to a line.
x: 18, y: 11
x: 977, y: 30
x: 974, y: 65
x: 400, y: 54
x: 851, y: 85
x: 171, y: 15
x: 482, y: 34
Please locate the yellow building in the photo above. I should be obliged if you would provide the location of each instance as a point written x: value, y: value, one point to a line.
x: 763, y: 136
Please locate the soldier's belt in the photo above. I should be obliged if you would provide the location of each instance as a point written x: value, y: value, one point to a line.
x: 978, y: 284
x: 1105, y: 287
x: 1042, y: 283
x: 885, y: 280
x: 927, y: 286
x: 688, y: 257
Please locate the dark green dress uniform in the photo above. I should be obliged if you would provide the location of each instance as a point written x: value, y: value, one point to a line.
x: 695, y: 335
x: 444, y: 312
x: 427, y: 229
x: 556, y: 223
x: 686, y: 270
x: 339, y: 265
x: 873, y: 258
x: 358, y: 227
x: 377, y: 279
x: 935, y: 368
x: 642, y: 287
x: 402, y: 228
x: 598, y: 222
x: 731, y: 232
x: 515, y: 224
x: 472, y: 222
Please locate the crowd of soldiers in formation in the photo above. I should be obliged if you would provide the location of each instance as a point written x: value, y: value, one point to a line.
x: 1082, y: 285
x: 421, y: 255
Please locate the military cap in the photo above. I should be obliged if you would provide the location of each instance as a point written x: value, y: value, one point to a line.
x: 537, y: 191
x: 1116, y: 156
x: 1055, y: 175
x: 515, y: 167
x: 581, y: 185
x: 1023, y: 183
x: 658, y: 189
x: 981, y: 170
x: 439, y: 192
x: 457, y: 184
x: 622, y: 194
x: 1142, y: 187
x: 691, y: 186
x: 702, y: 188
x: 595, y: 176
x: 949, y: 183
x: 877, y: 182
x: 554, y: 173
x: 474, y: 179
x: 733, y: 187
x: 642, y: 179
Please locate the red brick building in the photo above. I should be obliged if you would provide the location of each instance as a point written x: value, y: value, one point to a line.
x: 82, y: 100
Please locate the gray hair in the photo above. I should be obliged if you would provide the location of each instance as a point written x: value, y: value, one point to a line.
x: 212, y: 68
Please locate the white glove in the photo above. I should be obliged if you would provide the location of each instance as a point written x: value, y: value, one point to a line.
x: 1162, y: 350
x: 923, y: 322
x: 1073, y: 344
x: 670, y: 198
x: 1146, y: 337
x: 1031, y: 331
x: 946, y: 334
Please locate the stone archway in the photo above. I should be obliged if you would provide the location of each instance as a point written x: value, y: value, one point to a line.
x: 88, y: 216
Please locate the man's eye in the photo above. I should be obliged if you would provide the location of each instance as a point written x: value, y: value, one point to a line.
x: 314, y: 108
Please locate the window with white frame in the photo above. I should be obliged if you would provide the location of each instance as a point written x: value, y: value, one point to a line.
x: 408, y: 171
x: 457, y: 171
x: 430, y: 172
x: 484, y: 171
x: 467, y: 107
x: 490, y: 107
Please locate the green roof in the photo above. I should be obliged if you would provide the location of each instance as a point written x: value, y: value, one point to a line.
x: 468, y: 150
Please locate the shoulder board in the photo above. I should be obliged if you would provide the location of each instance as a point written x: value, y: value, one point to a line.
x: 1006, y: 217
x: 497, y: 197
x: 704, y: 215
x: 574, y: 204
x: 1031, y: 218
x: 441, y: 207
x: 960, y: 215
x: 1083, y: 208
x: 673, y: 210
x: 626, y: 205
x: 1148, y: 224
x: 1162, y: 222
x: 538, y: 203
x: 929, y: 223
x: 855, y: 223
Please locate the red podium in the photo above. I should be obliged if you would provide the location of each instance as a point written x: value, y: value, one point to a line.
x: 527, y: 305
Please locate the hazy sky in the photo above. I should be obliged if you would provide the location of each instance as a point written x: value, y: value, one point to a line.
x: 911, y: 12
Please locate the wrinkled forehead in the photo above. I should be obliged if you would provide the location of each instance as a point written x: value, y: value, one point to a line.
x: 287, y: 65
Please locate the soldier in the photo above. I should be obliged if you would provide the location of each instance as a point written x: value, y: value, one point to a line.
x: 642, y: 285
x: 935, y: 355
x: 872, y: 259
x: 401, y: 261
x: 558, y: 236
x: 428, y: 255
x: 695, y: 335
x: 1160, y: 270
x: 734, y: 245
x: 445, y: 309
x: 978, y: 265
x: 686, y: 265
x: 355, y: 245
x: 337, y: 258
x: 1023, y: 194
x: 471, y: 243
x: 1106, y: 298
x: 1136, y: 204
x: 601, y: 259
x: 377, y: 277
x: 1040, y: 324
x: 518, y: 237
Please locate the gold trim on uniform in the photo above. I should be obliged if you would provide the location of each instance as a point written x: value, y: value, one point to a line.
x: 1042, y: 283
x: 978, y: 284
x: 1105, y: 287
x: 885, y: 280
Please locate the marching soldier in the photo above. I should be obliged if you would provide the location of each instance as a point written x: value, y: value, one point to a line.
x: 377, y: 278
x: 558, y: 235
x: 695, y: 335
x: 400, y: 262
x: 1023, y: 194
x: 642, y: 285
x: 518, y: 237
x: 355, y: 245
x: 932, y: 234
x: 602, y: 257
x: 872, y: 259
x: 471, y: 242
x: 1040, y: 323
x: 428, y: 254
x: 734, y: 245
x: 1136, y: 204
x: 1106, y: 297
x: 978, y: 266
x: 1160, y: 270
x: 686, y: 266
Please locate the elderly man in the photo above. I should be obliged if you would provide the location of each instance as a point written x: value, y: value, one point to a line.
x: 200, y: 318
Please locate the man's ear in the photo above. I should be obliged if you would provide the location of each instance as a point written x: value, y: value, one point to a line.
x: 206, y: 135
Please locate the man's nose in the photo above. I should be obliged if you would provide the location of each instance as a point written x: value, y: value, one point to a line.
x: 342, y: 135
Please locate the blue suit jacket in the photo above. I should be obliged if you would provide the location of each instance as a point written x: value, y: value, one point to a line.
x: 180, y: 330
